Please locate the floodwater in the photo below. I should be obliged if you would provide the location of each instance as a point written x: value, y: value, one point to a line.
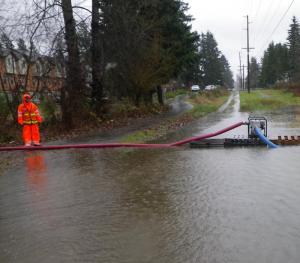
x: 160, y: 205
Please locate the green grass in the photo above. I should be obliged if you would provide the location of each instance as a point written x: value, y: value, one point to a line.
x: 173, y: 94
x: 204, y: 106
x: 140, y: 136
x: 267, y: 99
x: 202, y: 110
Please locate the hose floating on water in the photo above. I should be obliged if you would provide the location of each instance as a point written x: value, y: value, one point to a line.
x: 120, y: 145
x: 209, y: 135
x: 265, y: 139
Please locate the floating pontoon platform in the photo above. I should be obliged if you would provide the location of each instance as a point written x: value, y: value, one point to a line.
x: 238, y: 142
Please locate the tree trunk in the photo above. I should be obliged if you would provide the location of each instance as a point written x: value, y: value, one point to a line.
x: 73, y: 97
x: 10, y: 105
x: 97, y: 56
x: 160, y: 96
x: 137, y: 99
x: 148, y: 97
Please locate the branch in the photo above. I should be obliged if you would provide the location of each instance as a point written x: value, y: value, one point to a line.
x: 83, y: 8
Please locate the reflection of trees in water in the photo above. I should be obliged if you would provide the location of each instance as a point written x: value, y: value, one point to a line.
x: 148, y: 219
x: 84, y: 160
x: 4, y: 163
x: 136, y: 177
x: 156, y: 204
x: 10, y: 160
x: 142, y: 176
x: 131, y: 200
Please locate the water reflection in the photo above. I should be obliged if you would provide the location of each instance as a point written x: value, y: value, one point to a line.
x: 36, y: 170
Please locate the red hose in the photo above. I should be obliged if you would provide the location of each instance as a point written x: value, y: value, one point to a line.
x: 84, y: 146
x: 119, y: 145
x: 209, y: 135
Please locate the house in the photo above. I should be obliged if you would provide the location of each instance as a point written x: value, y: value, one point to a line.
x: 37, y: 73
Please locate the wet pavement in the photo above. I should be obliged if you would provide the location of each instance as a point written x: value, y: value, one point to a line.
x: 170, y: 205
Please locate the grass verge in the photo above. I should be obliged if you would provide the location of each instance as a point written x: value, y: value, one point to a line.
x: 267, y: 99
x: 207, y: 102
x: 173, y: 94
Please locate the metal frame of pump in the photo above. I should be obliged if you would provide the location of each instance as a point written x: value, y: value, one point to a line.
x: 257, y: 122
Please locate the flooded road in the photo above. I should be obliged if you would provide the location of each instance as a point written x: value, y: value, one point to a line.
x: 170, y: 205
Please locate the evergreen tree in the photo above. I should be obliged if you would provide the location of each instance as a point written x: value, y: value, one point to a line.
x: 274, y: 64
x: 179, y: 40
x: 294, y: 49
x: 210, y: 64
x: 150, y: 42
x: 254, y: 73
x: 227, y: 76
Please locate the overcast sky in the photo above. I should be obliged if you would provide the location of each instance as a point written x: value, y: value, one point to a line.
x: 225, y: 19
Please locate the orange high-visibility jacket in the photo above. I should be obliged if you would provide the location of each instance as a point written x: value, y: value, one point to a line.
x: 28, y: 113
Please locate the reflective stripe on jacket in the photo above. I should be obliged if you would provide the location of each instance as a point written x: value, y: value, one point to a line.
x: 28, y: 114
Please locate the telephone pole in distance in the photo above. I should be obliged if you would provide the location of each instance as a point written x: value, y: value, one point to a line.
x: 248, y: 56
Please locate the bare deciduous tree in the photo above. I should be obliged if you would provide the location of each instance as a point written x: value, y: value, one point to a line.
x: 97, y: 56
x: 73, y: 98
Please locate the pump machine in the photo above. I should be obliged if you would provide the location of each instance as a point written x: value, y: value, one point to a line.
x: 257, y: 135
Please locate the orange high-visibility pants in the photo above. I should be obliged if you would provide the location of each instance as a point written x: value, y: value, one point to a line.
x: 31, y: 133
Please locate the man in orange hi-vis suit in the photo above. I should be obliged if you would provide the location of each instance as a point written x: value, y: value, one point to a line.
x: 29, y: 117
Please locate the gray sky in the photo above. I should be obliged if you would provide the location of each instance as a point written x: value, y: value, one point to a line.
x: 225, y: 19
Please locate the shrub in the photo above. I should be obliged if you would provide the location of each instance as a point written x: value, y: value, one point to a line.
x: 4, y: 109
x: 49, y: 110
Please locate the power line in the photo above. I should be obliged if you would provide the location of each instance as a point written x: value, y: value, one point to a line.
x: 278, y: 24
x: 271, y: 13
x: 266, y: 18
x: 241, y: 76
x: 258, y: 9
x: 248, y: 61
x: 250, y: 7
x: 269, y: 22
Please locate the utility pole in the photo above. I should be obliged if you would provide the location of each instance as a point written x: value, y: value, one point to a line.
x: 248, y: 57
x: 241, y: 80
